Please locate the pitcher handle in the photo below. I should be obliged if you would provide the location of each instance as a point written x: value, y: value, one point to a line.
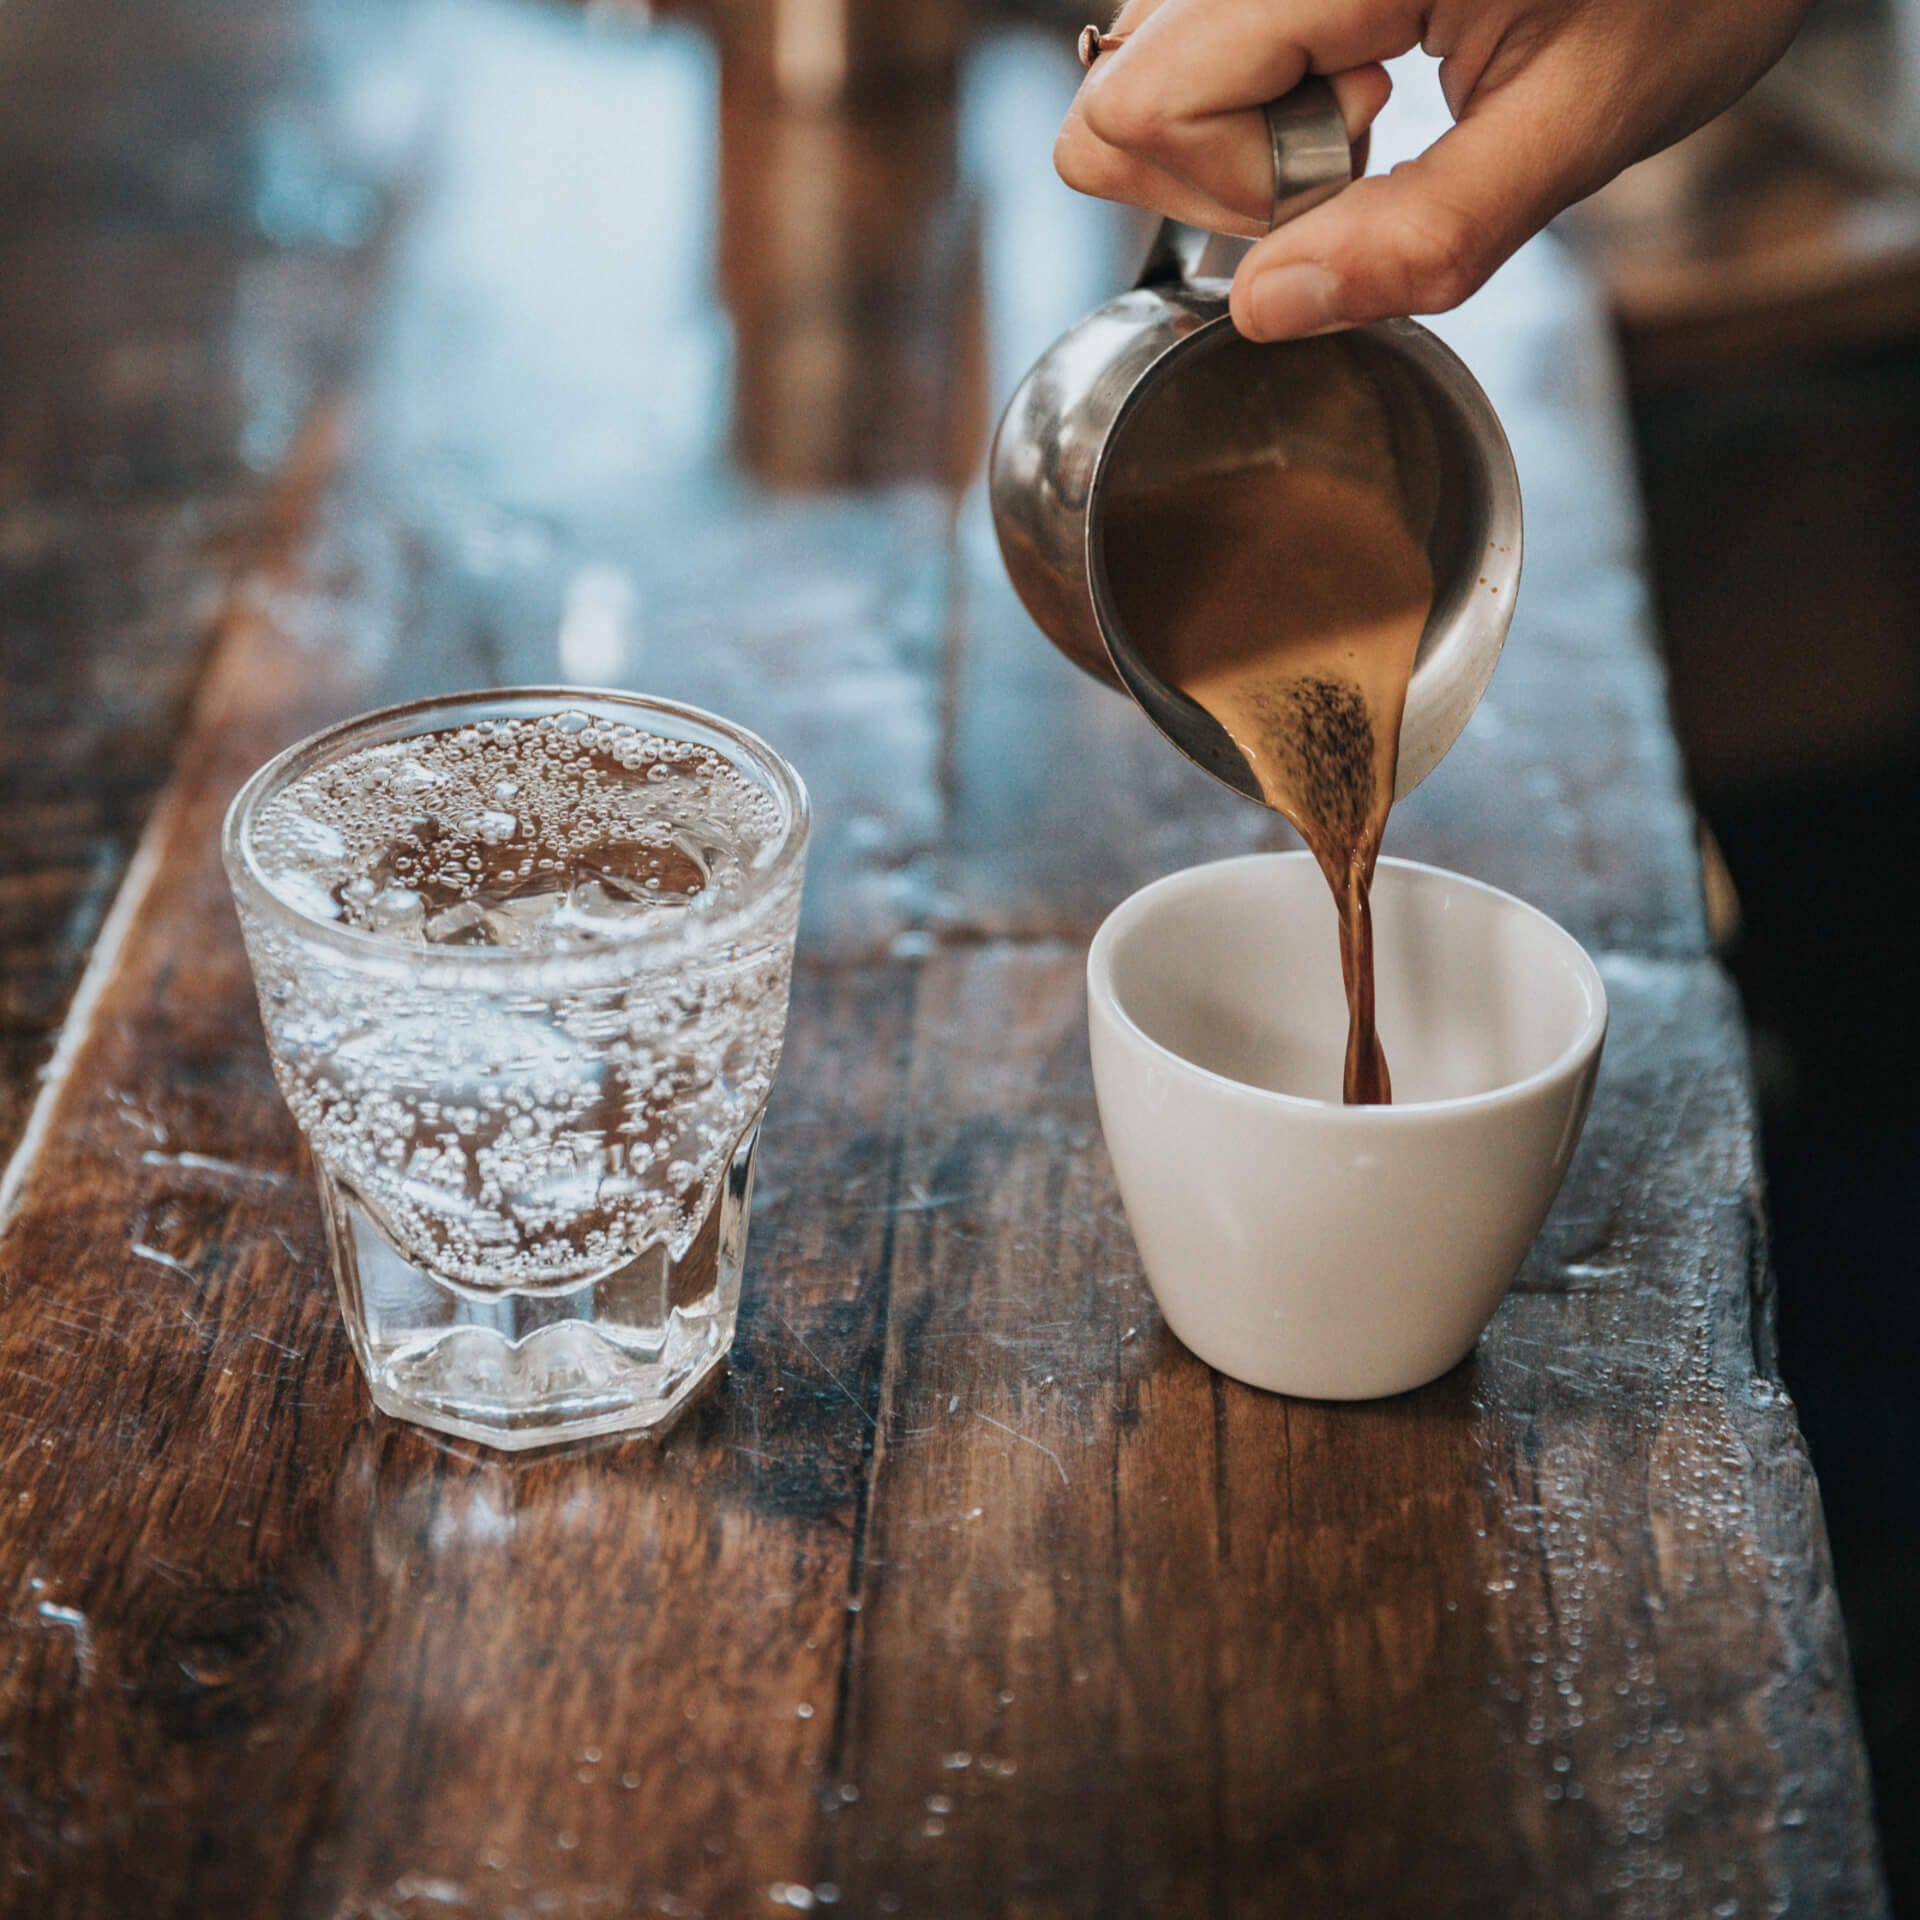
x: 1312, y: 156
x: 1166, y: 263
x: 1312, y: 161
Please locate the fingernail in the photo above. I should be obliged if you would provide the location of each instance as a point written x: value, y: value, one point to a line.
x: 1285, y: 302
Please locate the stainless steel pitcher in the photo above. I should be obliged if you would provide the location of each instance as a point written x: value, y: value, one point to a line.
x: 1159, y: 382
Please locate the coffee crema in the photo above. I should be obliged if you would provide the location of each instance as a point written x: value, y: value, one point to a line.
x: 1287, y: 599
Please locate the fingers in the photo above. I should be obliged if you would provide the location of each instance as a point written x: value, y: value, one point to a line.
x: 1421, y: 239
x: 1187, y: 60
x: 1180, y: 95
x: 1092, y: 167
x: 1548, y: 108
x: 1239, y: 168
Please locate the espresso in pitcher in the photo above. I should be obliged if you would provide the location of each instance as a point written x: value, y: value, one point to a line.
x: 1288, y: 600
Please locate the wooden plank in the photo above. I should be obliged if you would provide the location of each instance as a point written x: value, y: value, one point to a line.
x: 1556, y: 1635
x: 235, y: 1631
x: 210, y: 1631
x: 168, y: 313
x: 1024, y: 1739
x: 84, y: 743
x: 961, y: 1524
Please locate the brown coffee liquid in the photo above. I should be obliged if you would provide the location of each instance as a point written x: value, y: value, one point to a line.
x: 1288, y: 601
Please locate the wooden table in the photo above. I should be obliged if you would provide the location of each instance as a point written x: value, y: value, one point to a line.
x: 359, y: 348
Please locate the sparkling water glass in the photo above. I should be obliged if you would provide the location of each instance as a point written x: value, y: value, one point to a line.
x: 523, y: 961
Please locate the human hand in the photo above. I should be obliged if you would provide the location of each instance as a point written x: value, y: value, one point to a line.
x: 1550, y: 98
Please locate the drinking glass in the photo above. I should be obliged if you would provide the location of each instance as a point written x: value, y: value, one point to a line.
x: 523, y: 962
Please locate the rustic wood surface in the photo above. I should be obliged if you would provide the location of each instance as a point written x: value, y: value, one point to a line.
x: 358, y: 349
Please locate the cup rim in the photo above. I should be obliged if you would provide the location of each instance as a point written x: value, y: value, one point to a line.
x: 1137, y: 905
x: 397, y: 722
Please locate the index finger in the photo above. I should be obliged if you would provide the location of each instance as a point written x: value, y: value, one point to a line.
x: 1186, y: 64
x: 1240, y: 164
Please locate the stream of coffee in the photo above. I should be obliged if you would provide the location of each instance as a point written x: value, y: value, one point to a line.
x: 1288, y: 600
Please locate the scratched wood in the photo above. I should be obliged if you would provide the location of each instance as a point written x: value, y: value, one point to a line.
x: 965, y: 1591
x: 171, y: 303
x: 272, y: 1629
x: 1322, y: 1645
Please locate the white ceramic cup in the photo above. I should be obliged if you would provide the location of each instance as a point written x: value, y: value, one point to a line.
x: 1297, y: 1244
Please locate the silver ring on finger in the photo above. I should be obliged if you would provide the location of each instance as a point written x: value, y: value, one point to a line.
x: 1312, y: 157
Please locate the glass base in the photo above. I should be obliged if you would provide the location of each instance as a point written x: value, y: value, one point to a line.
x: 621, y: 1353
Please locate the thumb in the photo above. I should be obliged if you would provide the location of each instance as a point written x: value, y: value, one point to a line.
x: 1419, y: 239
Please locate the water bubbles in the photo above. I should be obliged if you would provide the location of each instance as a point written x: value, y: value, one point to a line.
x: 492, y: 826
x: 524, y: 1135
x: 306, y: 894
x: 460, y: 925
x: 307, y: 840
x: 940, y: 1803
x: 480, y: 814
x: 415, y: 776
x: 804, y: 1711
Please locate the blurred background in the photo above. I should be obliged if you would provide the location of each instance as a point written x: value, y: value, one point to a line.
x: 848, y: 176
x: 1764, y: 280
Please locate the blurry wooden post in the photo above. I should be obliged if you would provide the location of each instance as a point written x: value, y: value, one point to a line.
x: 828, y: 54
x: 841, y: 233
x: 841, y: 238
x: 1751, y: 272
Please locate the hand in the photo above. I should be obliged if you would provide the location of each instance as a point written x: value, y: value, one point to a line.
x: 1551, y: 98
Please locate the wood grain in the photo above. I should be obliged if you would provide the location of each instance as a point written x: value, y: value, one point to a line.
x: 965, y: 1591
x: 260, y: 1633
x: 1262, y: 1656
x: 170, y: 310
